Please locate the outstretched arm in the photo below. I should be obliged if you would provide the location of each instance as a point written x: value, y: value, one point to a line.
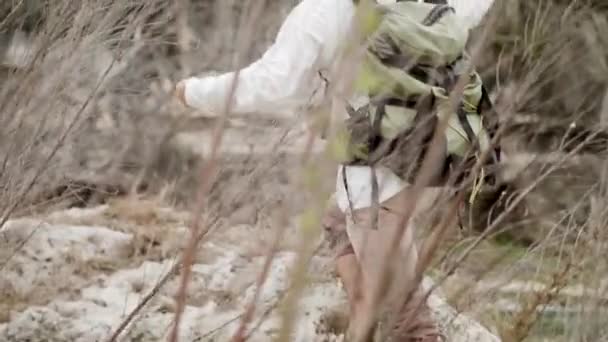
x: 285, y: 77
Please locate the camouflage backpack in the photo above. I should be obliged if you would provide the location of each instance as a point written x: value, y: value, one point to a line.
x: 415, y: 55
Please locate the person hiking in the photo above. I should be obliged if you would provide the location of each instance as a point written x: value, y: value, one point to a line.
x: 300, y: 71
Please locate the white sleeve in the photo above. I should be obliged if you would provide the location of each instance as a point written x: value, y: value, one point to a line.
x: 286, y: 75
x: 472, y: 11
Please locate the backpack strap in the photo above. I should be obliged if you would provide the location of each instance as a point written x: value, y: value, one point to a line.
x: 491, y: 165
x: 380, y: 112
x: 436, y: 2
x: 438, y: 12
x: 486, y: 105
x: 468, y: 130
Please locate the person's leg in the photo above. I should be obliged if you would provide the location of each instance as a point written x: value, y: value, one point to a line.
x: 347, y: 265
x: 349, y: 272
x: 389, y: 294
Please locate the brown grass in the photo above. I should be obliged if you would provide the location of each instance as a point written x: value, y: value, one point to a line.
x: 54, y: 107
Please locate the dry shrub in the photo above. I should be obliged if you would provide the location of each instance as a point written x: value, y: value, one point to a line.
x: 53, y: 101
x: 551, y: 55
x: 86, y: 109
x: 89, y: 106
x: 546, y: 64
x: 547, y: 67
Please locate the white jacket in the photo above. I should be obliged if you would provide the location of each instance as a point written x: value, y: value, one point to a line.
x: 290, y: 76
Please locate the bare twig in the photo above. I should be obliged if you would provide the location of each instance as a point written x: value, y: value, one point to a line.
x: 15, y: 9
x: 150, y: 295
x: 431, y: 161
x: 56, y: 147
x: 207, y: 174
x: 144, y: 301
x: 240, y: 335
x: 19, y: 247
x: 496, y: 223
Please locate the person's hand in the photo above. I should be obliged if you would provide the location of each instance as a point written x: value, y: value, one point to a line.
x: 180, y: 92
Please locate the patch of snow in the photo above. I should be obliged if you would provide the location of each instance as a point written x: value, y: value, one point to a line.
x: 222, y: 286
x: 78, y: 213
x: 38, y: 254
x: 221, y: 273
x: 458, y: 326
x: 277, y: 280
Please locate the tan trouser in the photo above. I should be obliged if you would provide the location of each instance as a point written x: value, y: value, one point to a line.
x: 371, y: 248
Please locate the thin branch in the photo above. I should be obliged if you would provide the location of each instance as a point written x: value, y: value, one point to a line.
x: 431, y: 161
x: 240, y: 335
x: 145, y: 300
x: 56, y: 147
x: 207, y: 175
x: 19, y: 247
x: 149, y: 296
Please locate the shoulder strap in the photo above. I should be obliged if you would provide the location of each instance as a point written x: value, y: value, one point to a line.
x: 464, y: 122
x: 436, y: 2
x: 436, y: 14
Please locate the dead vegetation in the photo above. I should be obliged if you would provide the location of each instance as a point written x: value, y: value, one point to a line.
x: 86, y: 115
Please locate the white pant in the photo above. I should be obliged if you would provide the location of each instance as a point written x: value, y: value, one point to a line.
x: 359, y: 193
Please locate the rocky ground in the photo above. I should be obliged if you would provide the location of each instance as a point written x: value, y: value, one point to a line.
x: 74, y: 276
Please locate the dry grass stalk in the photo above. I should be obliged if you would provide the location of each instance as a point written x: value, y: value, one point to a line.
x: 431, y: 161
x: 537, y: 76
x: 207, y: 175
x: 241, y: 332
